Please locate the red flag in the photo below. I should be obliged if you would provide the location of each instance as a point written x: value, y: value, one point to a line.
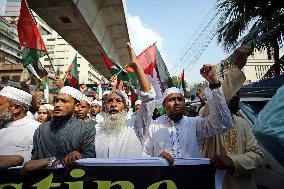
x: 28, y: 33
x: 120, y: 86
x: 181, y: 77
x: 181, y: 80
x: 72, y: 76
x: 150, y: 69
x: 148, y: 57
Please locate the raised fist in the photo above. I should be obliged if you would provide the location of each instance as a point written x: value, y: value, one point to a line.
x: 209, y: 73
x: 241, y: 55
x: 113, y: 81
x: 133, y: 59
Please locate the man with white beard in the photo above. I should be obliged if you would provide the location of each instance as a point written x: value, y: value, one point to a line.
x: 117, y: 138
x: 16, y: 128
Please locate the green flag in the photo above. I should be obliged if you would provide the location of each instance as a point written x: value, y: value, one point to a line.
x: 72, y: 75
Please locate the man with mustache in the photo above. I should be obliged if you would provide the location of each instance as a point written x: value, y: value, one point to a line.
x: 16, y: 128
x: 174, y: 135
x: 117, y: 138
x: 65, y: 138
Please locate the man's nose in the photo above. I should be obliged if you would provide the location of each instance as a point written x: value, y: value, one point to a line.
x: 177, y: 101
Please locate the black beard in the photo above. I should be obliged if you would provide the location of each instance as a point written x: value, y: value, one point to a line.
x: 176, y: 116
x: 4, y: 119
x: 59, y: 122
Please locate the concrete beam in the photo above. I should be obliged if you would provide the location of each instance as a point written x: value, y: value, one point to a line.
x: 87, y: 24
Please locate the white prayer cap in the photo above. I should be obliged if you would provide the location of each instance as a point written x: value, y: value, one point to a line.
x: 96, y: 102
x: 120, y: 93
x: 16, y: 94
x: 172, y: 90
x: 85, y: 98
x: 138, y: 102
x: 106, y: 93
x: 72, y: 92
x: 47, y: 106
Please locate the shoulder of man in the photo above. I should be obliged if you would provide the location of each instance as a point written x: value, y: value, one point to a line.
x: 241, y: 123
x: 82, y: 123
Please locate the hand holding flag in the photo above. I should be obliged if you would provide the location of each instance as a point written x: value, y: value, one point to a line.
x: 113, y: 81
x: 59, y: 82
x: 141, y: 76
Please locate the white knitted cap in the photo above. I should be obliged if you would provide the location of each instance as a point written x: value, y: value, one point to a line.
x: 106, y: 93
x: 138, y: 102
x: 96, y: 102
x: 72, y: 92
x: 47, y: 106
x: 85, y: 98
x: 171, y: 91
x: 16, y: 94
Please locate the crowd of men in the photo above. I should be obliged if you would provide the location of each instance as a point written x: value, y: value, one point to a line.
x: 77, y: 127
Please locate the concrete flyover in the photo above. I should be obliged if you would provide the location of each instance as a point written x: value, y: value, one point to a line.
x: 85, y: 24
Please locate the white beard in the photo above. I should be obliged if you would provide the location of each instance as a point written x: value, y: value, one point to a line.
x: 5, y: 117
x: 113, y: 123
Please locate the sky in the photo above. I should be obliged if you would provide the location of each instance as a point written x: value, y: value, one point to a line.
x: 2, y: 7
x: 173, y: 25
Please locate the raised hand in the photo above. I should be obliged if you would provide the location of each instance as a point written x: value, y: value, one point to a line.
x: 59, y: 82
x: 133, y: 59
x: 113, y: 81
x: 209, y: 73
x: 241, y: 55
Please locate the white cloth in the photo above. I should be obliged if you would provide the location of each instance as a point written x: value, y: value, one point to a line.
x: 128, y: 142
x: 138, y: 102
x: 96, y: 102
x: 171, y: 91
x: 16, y: 94
x: 72, y: 92
x: 87, y: 99
x: 106, y: 93
x: 123, y: 145
x: 17, y: 137
x: 183, y: 139
x: 47, y: 107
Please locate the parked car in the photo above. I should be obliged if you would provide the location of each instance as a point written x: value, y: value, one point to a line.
x: 271, y: 175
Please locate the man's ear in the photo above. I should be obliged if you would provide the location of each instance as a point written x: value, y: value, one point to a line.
x: 16, y: 109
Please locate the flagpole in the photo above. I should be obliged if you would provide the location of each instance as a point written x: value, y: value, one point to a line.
x: 116, y: 64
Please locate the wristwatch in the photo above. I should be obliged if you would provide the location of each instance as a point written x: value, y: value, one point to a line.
x: 51, y: 160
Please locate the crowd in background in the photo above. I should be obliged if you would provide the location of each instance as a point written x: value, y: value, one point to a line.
x: 39, y: 135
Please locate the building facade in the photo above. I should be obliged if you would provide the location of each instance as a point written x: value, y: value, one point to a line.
x: 62, y: 54
x: 257, y: 66
x: 10, y: 53
x: 60, y: 57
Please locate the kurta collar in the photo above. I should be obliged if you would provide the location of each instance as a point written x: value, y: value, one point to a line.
x: 171, y: 122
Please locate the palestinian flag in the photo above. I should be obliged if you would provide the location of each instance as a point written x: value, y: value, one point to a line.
x: 150, y: 69
x: 31, y: 41
x: 126, y: 74
x: 120, y: 86
x: 72, y: 75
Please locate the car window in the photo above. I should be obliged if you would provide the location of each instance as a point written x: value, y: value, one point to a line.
x: 252, y: 108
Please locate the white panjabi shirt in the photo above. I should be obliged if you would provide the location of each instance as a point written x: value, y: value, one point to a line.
x: 123, y: 145
x: 127, y: 143
x: 183, y: 138
x: 17, y: 137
